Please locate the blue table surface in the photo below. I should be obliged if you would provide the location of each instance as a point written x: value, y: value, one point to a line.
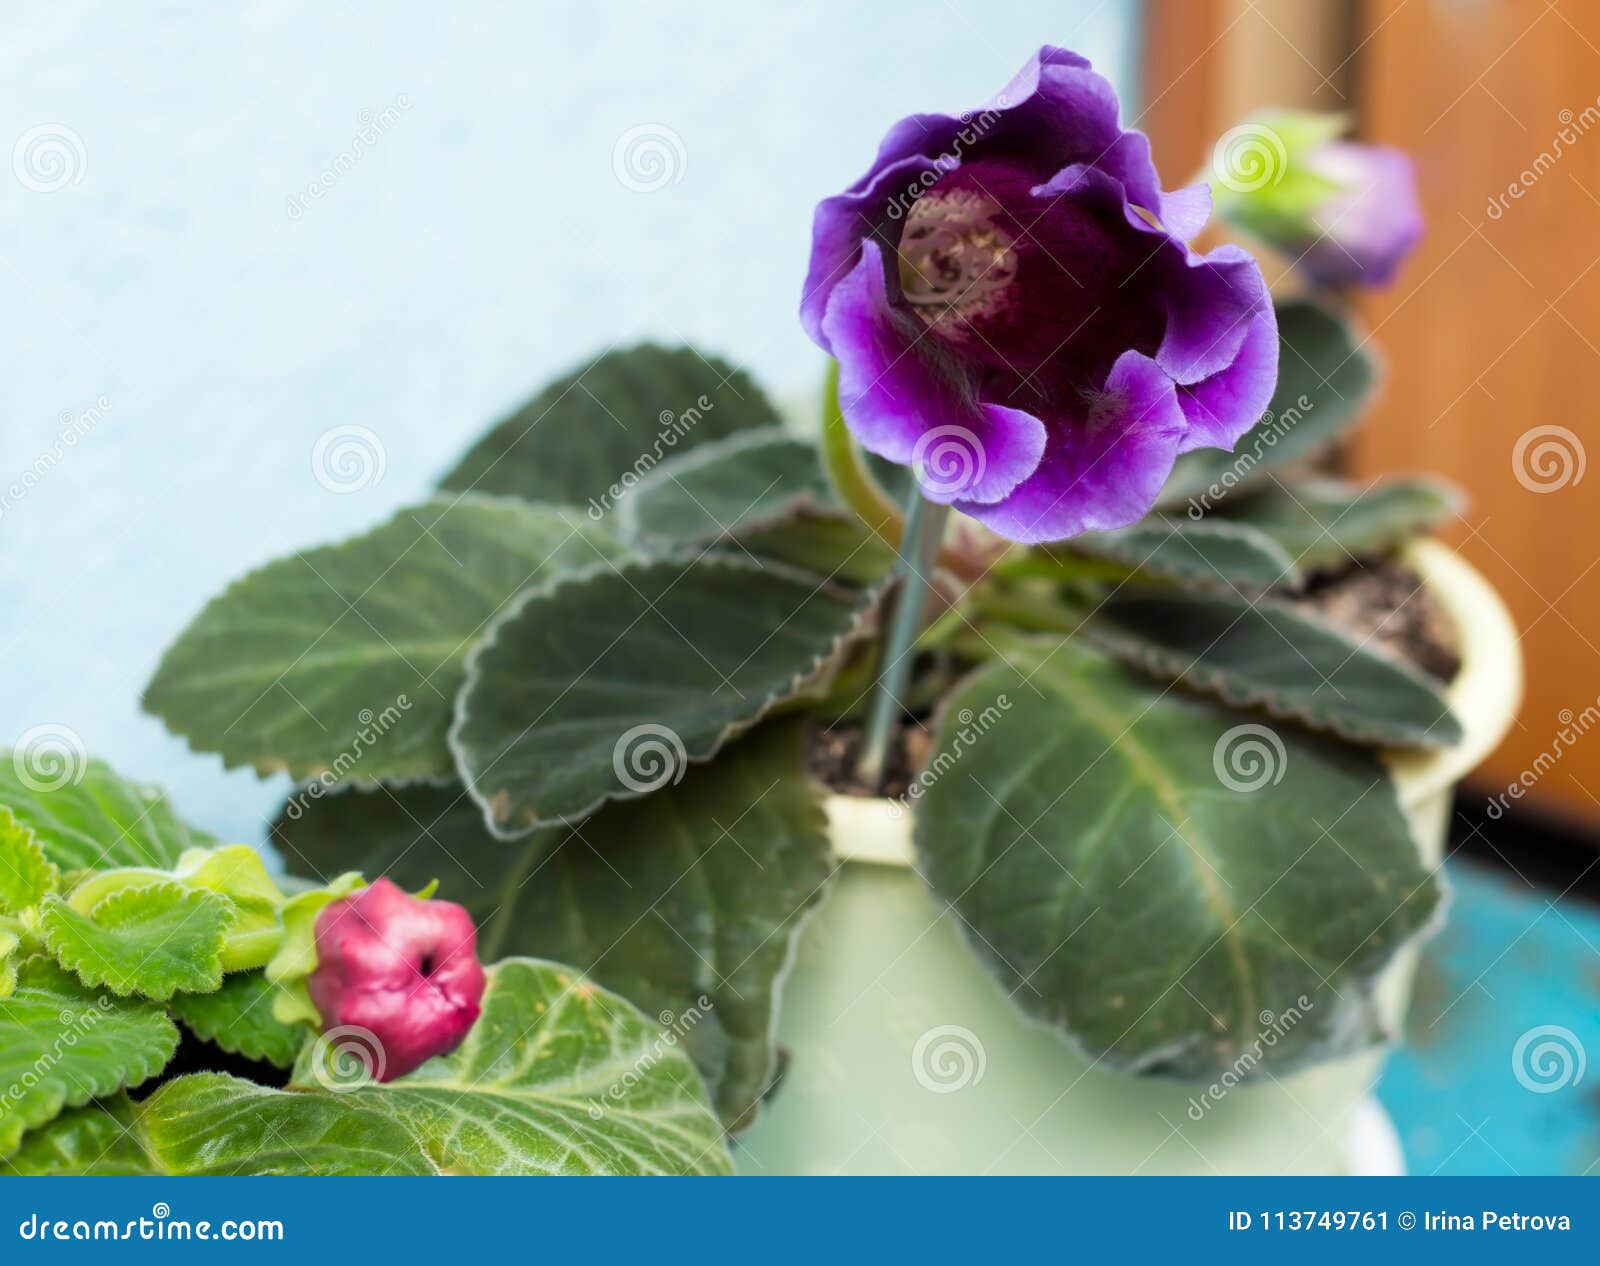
x: 1515, y: 964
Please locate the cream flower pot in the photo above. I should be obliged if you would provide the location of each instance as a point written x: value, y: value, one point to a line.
x: 906, y: 1057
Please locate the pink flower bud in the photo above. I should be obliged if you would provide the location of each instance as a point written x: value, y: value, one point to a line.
x: 406, y: 970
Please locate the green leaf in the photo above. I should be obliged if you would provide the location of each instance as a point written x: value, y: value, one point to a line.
x: 238, y: 1018
x: 26, y: 875
x: 1267, y: 655
x: 95, y: 1140
x: 1174, y: 890
x: 100, y: 820
x: 342, y: 662
x: 557, y: 1077
x: 1326, y: 523
x: 61, y: 1046
x: 1324, y: 380
x: 607, y: 685
x: 589, y: 437
x: 717, y: 490
x: 1207, y: 553
x: 687, y: 897
x: 152, y: 940
x: 828, y: 543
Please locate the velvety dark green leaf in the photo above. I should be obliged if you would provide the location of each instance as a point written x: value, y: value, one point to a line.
x: 98, y: 820
x: 1175, y: 890
x: 587, y: 438
x: 719, y: 489
x: 685, y: 902
x: 828, y: 543
x: 343, y: 661
x: 1207, y: 553
x: 62, y: 1045
x: 1267, y: 655
x: 238, y: 1018
x: 606, y: 686
x: 1327, y: 523
x: 557, y: 1077
x: 1324, y: 380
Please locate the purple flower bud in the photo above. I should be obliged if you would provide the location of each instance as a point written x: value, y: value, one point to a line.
x: 404, y: 969
x: 1367, y: 228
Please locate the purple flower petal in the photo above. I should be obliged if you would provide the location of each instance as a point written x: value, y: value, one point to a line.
x: 1368, y: 229
x: 1211, y: 300
x: 1223, y: 407
x: 1184, y: 212
x: 910, y: 402
x: 1105, y: 469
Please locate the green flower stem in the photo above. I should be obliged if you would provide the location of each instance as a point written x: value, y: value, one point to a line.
x: 919, y: 554
x: 860, y: 491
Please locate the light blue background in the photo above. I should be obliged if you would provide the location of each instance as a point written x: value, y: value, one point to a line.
x: 478, y: 247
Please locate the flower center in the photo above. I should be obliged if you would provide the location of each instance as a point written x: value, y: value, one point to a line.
x: 955, y: 261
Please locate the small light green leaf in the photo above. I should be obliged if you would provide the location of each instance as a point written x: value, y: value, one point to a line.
x: 1173, y: 889
x: 1324, y: 380
x: 239, y: 1018
x: 557, y: 1077
x: 1265, y: 654
x: 587, y: 438
x: 99, y: 820
x: 686, y: 902
x: 342, y: 662
x: 152, y: 940
x: 606, y: 686
x: 95, y: 1140
x: 1208, y: 553
x: 61, y: 1045
x: 1328, y: 523
x: 26, y: 875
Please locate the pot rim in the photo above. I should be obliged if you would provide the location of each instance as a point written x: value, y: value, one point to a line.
x: 1485, y: 696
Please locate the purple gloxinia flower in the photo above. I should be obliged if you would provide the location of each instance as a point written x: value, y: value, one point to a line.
x: 403, y: 969
x: 1016, y: 313
x: 1347, y: 214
